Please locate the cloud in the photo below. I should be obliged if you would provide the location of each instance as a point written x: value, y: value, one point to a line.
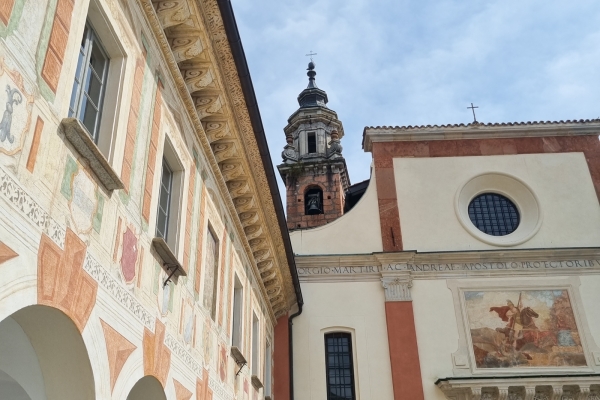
x: 410, y: 62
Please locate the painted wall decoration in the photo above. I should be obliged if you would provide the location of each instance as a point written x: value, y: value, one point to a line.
x: 129, y: 255
x: 86, y: 204
x: 530, y: 328
x: 16, y: 106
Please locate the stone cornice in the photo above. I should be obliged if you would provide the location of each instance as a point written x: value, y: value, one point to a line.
x: 559, y: 387
x: 227, y: 143
x: 477, y: 131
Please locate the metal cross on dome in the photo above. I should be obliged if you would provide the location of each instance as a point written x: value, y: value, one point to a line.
x: 473, y: 109
x: 311, y: 54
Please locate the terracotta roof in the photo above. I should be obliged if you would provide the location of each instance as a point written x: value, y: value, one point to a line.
x: 479, y: 130
x: 569, y: 121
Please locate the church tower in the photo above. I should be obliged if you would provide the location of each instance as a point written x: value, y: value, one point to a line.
x: 313, y: 169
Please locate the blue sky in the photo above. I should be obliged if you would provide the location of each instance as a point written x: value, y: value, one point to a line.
x: 414, y: 62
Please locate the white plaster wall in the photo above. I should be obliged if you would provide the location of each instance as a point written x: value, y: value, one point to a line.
x: 426, y: 189
x: 356, y: 307
x: 334, y: 238
x: 437, y: 334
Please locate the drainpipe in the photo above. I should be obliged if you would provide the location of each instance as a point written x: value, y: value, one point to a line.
x: 291, y: 342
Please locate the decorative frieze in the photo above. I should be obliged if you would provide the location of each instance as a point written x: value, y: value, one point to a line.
x: 219, y: 391
x: 177, y: 348
x: 14, y: 194
x: 117, y: 291
x: 522, y: 388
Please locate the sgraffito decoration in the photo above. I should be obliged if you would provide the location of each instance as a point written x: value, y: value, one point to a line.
x: 530, y: 328
x: 16, y: 106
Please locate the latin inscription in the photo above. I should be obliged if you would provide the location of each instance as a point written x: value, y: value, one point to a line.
x: 486, y: 266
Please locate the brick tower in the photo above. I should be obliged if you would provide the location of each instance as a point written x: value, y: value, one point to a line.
x: 313, y: 169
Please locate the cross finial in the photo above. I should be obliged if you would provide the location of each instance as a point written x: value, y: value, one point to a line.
x: 473, y: 109
x: 311, y: 54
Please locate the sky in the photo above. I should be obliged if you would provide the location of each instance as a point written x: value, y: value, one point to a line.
x: 422, y: 62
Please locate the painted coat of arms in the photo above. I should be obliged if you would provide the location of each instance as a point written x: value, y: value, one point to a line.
x: 15, y: 105
x: 530, y: 328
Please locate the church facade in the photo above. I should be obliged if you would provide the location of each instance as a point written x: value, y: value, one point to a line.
x: 143, y: 247
x: 467, y: 267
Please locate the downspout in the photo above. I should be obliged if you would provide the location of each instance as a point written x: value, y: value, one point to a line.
x: 291, y: 343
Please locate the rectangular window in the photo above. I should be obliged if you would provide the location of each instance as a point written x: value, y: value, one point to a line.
x: 339, y: 366
x: 238, y: 296
x: 89, y: 86
x: 164, y: 201
x: 211, y: 274
x: 255, y: 333
x: 312, y: 142
x: 268, y: 371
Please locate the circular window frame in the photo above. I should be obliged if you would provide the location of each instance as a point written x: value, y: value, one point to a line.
x: 514, y: 189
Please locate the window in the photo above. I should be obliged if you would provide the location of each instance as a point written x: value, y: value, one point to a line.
x: 169, y: 197
x: 211, y: 275
x: 255, y: 333
x: 90, y: 82
x: 312, y: 142
x: 268, y: 371
x: 238, y: 295
x: 313, y: 201
x: 339, y: 366
x: 164, y: 201
x: 494, y: 214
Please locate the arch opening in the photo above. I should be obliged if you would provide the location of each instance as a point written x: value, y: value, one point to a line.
x: 43, y: 356
x: 147, y: 388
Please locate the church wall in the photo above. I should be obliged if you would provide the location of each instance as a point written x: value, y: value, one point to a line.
x: 355, y: 307
x: 333, y: 238
x: 560, y: 182
x: 439, y: 321
x: 69, y: 242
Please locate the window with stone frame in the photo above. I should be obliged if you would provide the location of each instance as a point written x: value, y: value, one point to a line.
x: 339, y: 366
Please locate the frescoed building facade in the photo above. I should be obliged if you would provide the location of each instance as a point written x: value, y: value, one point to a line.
x: 143, y: 247
x: 467, y: 267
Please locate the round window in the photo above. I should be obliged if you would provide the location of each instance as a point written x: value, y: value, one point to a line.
x: 494, y: 214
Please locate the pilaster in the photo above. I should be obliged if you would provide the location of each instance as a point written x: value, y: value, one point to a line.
x: 402, y: 337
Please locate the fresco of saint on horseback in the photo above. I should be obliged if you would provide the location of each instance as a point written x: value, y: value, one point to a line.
x: 519, y: 321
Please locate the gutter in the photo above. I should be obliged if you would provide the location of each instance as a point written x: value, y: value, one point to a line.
x: 239, y: 57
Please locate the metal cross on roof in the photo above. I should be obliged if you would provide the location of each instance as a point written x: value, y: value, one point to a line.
x: 473, y: 109
x: 311, y: 54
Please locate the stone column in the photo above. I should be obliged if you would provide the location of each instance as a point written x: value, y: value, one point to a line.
x: 402, y: 337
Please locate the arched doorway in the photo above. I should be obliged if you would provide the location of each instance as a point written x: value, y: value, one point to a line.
x: 43, y: 357
x: 147, y: 388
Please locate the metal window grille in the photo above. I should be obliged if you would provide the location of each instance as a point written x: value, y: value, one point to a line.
x: 494, y: 214
x: 164, y: 201
x: 89, y: 86
x: 339, y: 366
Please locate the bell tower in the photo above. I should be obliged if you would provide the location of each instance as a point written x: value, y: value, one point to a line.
x: 313, y: 169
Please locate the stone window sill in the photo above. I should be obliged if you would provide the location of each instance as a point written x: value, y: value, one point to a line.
x: 238, y: 356
x: 169, y: 260
x: 81, y: 140
x: 256, y: 382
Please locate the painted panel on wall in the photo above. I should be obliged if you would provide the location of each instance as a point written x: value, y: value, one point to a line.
x: 531, y: 328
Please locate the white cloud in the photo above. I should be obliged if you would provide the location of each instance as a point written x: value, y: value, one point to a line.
x: 412, y: 62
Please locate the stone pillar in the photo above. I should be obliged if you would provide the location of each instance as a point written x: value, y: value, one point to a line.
x: 402, y: 337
